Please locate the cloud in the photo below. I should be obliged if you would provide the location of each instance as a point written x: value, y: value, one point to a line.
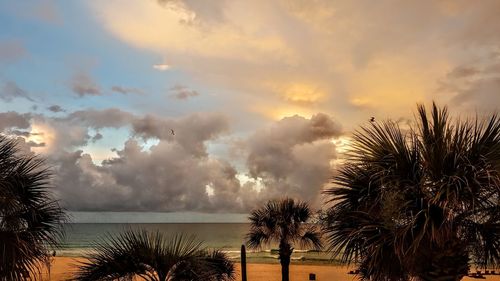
x: 182, y: 92
x: 35, y: 144
x: 11, y: 51
x: 25, y: 146
x: 12, y: 119
x: 202, y: 11
x: 178, y: 172
x: 16, y: 132
x: 83, y: 85
x: 363, y: 54
x: 11, y: 91
x: 125, y: 90
x: 191, y: 132
x: 474, y: 85
x: 161, y: 66
x: 163, y: 179
x: 96, y: 137
x: 169, y: 176
x: 463, y: 72
x: 110, y: 118
x: 292, y: 157
x: 56, y: 108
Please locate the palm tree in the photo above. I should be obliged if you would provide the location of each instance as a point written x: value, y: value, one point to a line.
x: 420, y: 202
x: 30, y: 219
x: 153, y: 256
x: 284, y: 222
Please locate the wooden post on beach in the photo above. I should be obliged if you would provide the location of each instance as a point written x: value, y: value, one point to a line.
x: 243, y: 263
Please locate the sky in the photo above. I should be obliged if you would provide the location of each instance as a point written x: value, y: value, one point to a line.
x: 218, y: 106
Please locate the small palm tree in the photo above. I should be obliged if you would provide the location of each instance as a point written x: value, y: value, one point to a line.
x: 419, y: 202
x: 154, y: 257
x: 284, y: 222
x: 30, y: 219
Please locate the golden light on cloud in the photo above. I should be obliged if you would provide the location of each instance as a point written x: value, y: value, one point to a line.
x: 41, y: 134
x: 264, y: 48
x: 303, y: 93
x: 174, y: 28
x: 390, y: 81
x: 342, y: 144
x: 360, y: 102
x: 161, y: 66
x: 278, y: 113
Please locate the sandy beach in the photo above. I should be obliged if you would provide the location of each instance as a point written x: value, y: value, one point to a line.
x: 62, y: 267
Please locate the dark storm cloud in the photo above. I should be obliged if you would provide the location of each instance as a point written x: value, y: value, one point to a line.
x: 125, y: 90
x: 24, y: 146
x: 292, y: 157
x: 165, y: 178
x: 13, y: 119
x: 475, y: 85
x: 96, y: 137
x: 55, y: 108
x: 172, y: 175
x: 190, y: 132
x: 463, y: 72
x: 83, y: 85
x: 182, y: 92
x: 35, y: 144
x: 11, y: 90
x: 73, y: 130
x: 18, y: 133
x: 112, y: 117
x: 179, y: 173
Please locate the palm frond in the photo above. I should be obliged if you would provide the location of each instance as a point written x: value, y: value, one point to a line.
x: 29, y: 218
x: 153, y: 256
x: 279, y: 221
x: 425, y: 189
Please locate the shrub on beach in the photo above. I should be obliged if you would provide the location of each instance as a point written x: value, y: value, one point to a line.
x: 153, y: 256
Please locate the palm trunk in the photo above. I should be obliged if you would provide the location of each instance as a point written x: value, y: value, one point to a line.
x: 285, y: 252
x: 243, y: 263
x: 285, y: 268
x: 448, y: 263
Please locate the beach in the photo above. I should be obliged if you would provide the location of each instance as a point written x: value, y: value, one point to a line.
x: 62, y: 267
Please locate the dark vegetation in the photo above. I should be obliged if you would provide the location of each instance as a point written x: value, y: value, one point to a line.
x: 30, y: 219
x: 154, y: 257
x: 419, y: 202
x: 284, y: 222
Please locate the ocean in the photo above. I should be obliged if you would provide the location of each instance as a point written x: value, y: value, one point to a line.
x: 227, y: 237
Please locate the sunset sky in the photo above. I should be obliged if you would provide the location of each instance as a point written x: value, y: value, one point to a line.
x: 261, y: 95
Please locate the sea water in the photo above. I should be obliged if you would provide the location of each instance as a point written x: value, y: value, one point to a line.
x: 80, y: 238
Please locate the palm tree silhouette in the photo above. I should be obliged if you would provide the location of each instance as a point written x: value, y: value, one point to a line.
x: 153, y: 256
x: 419, y: 202
x: 30, y: 219
x: 284, y: 222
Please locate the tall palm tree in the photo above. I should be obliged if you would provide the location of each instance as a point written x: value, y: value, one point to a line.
x: 419, y: 202
x: 284, y: 222
x: 153, y: 256
x: 30, y: 219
